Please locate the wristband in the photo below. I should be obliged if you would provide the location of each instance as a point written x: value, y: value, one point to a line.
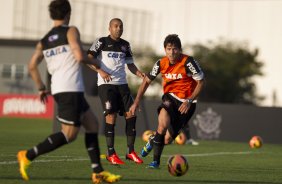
x: 42, y: 88
x: 189, y: 100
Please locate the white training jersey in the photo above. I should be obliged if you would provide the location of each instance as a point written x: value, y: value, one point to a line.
x: 114, y: 55
x: 66, y: 72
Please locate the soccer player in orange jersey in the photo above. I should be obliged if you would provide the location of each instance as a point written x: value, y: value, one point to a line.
x: 183, y: 81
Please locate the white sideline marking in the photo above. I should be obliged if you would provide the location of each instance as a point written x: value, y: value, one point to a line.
x: 69, y: 159
x: 214, y: 154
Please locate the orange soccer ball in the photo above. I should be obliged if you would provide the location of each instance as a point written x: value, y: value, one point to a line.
x: 180, y: 139
x: 255, y: 142
x: 147, y: 134
x: 177, y: 165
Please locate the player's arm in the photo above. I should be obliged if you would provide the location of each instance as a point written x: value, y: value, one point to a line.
x: 106, y: 77
x: 133, y: 69
x: 35, y: 60
x: 141, y: 91
x: 144, y: 86
x: 193, y: 69
x: 76, y: 47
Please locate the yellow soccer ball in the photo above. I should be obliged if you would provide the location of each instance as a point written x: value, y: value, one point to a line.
x: 255, y: 142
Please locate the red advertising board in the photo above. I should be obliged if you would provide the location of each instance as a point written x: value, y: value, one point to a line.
x: 25, y: 106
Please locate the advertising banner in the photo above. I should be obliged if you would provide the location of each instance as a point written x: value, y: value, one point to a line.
x: 25, y: 106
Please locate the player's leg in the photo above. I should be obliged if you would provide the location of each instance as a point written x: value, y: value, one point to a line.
x: 90, y: 123
x: 186, y: 127
x: 159, y: 139
x: 130, y: 120
x: 109, y: 98
x: 130, y: 130
x: 52, y: 142
x: 69, y: 130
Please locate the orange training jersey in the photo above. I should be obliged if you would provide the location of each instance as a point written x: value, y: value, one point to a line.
x: 179, y: 78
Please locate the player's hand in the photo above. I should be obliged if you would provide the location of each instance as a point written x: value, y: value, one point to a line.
x: 184, y: 107
x: 43, y: 96
x: 133, y: 108
x: 106, y: 77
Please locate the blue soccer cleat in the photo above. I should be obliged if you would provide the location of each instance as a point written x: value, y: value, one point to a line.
x: 147, y: 148
x: 154, y: 165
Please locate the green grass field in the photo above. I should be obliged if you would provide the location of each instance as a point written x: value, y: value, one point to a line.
x: 210, y: 162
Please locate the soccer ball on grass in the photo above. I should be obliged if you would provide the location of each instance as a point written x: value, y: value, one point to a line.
x: 177, y: 165
x: 255, y: 142
x: 180, y: 139
x: 147, y: 134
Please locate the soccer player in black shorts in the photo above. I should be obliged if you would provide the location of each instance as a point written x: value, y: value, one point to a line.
x: 114, y: 53
x: 183, y: 81
x: 61, y: 47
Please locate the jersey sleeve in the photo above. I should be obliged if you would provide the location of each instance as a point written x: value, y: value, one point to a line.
x: 193, y: 69
x: 155, y: 71
x: 96, y: 47
x: 128, y: 55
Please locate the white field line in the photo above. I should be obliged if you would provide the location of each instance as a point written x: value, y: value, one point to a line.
x: 70, y: 159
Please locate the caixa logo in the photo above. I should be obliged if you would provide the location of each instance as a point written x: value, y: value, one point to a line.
x: 116, y: 55
x: 208, y: 124
x: 55, y: 51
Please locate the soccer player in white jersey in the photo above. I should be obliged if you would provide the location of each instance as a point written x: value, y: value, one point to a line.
x: 61, y: 47
x: 115, y: 53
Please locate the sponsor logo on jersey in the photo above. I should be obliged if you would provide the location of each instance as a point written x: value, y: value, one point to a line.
x: 173, y: 75
x: 123, y: 48
x: 192, y: 68
x: 155, y: 70
x: 55, y: 51
x: 96, y: 46
x: 116, y: 55
x: 53, y: 37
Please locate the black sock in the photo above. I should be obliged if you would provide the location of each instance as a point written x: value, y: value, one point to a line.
x: 110, y: 137
x: 130, y: 133
x: 92, y: 146
x: 52, y: 142
x: 158, y: 142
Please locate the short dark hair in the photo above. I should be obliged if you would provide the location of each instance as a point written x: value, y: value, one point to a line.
x: 115, y: 19
x: 172, y: 39
x: 58, y: 9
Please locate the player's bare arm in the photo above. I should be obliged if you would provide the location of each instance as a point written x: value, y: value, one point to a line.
x: 133, y: 69
x: 141, y: 90
x: 184, y: 107
x: 35, y: 60
x: 76, y: 47
x: 107, y: 77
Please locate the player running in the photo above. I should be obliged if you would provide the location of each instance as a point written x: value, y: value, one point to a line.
x: 183, y: 81
x: 61, y: 47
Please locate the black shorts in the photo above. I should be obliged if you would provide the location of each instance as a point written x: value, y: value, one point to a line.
x: 177, y: 120
x: 115, y: 98
x: 71, y: 105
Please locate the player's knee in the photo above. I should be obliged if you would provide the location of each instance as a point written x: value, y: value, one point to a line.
x: 168, y: 140
x: 109, y: 130
x: 111, y: 117
x: 72, y: 137
x: 130, y: 126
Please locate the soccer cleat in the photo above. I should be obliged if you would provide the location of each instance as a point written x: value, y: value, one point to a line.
x: 154, y: 165
x: 105, y: 176
x: 23, y: 164
x: 114, y: 159
x: 134, y: 157
x: 147, y: 148
x: 192, y: 142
